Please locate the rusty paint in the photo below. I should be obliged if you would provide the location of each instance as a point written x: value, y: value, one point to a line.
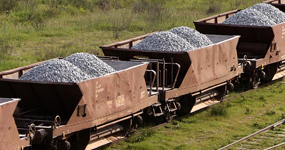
x: 193, y: 75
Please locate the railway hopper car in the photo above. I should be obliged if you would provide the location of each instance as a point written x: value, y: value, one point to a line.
x: 262, y: 47
x: 70, y: 115
x: 9, y: 135
x: 189, y: 77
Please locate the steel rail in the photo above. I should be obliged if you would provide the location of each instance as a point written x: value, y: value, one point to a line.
x: 255, y: 133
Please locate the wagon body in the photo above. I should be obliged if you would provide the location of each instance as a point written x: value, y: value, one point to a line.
x: 199, y: 69
x: 91, y: 103
x: 10, y: 138
x: 263, y: 45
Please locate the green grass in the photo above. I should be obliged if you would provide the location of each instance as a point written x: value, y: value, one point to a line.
x: 36, y: 30
x: 245, y: 114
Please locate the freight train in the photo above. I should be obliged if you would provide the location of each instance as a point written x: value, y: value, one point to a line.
x: 83, y: 115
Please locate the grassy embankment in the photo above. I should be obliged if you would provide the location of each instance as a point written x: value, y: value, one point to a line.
x: 37, y: 30
x: 218, y: 126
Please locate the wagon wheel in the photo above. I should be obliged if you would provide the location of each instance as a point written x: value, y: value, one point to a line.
x: 168, y: 116
x: 57, y: 121
x: 254, y: 82
x: 270, y: 71
x: 32, y: 130
x: 187, y: 102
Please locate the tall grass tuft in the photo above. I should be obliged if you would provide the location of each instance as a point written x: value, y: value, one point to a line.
x: 213, y: 7
x: 219, y: 110
x: 5, y: 50
x: 143, y: 136
x: 7, y: 5
x: 52, y: 51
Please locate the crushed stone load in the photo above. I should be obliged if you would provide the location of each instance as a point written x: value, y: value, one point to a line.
x: 250, y: 17
x: 194, y: 37
x: 164, y: 41
x: 77, y: 67
x: 55, y: 70
x: 270, y: 11
x: 261, y: 14
x: 90, y: 64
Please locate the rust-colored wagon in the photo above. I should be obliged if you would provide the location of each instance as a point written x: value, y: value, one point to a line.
x: 72, y: 114
x: 186, y: 78
x: 262, y: 47
x: 9, y: 135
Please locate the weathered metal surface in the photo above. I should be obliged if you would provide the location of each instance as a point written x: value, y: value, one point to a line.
x: 111, y: 97
x: 262, y: 44
x: 52, y: 98
x: 9, y: 136
x: 85, y: 104
x: 200, y: 68
x: 210, y: 66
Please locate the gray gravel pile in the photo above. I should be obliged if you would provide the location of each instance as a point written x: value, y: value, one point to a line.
x: 250, y: 17
x: 90, y: 64
x: 194, y: 37
x: 56, y: 70
x: 273, y: 13
x: 164, y: 41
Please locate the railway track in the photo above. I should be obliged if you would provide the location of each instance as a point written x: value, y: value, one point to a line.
x: 270, y: 137
x: 267, y: 136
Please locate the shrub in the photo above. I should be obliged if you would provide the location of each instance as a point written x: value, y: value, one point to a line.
x: 213, y: 7
x: 7, y: 5
x: 103, y: 4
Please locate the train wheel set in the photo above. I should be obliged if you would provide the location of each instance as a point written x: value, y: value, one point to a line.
x: 69, y: 116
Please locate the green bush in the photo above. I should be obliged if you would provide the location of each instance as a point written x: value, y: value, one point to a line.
x: 7, y: 5
x: 213, y: 7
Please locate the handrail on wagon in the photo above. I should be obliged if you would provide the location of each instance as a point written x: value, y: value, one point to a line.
x: 128, y: 41
x: 226, y: 14
x: 272, y: 1
x: 176, y: 77
x: 152, y: 83
x: 21, y: 70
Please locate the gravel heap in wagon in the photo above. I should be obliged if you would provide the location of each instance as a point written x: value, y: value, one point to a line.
x: 178, y: 39
x: 194, y: 37
x: 89, y: 64
x: 164, y: 41
x: 273, y: 13
x: 76, y: 68
x: 261, y: 14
